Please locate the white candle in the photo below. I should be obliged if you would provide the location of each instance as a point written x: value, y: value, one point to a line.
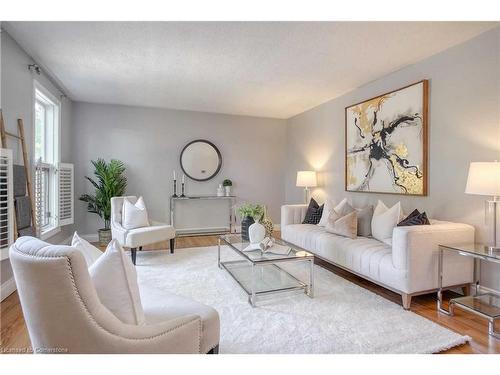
x: 174, y: 174
x: 182, y: 178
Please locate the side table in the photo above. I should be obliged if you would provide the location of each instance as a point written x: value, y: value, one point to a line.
x: 485, y: 304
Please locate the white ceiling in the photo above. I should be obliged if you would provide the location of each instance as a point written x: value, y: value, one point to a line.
x: 269, y: 69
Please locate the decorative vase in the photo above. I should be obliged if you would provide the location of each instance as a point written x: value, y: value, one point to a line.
x: 246, y: 222
x: 256, y: 232
x: 267, y: 223
x: 104, y: 237
x: 228, y: 191
x: 220, y: 191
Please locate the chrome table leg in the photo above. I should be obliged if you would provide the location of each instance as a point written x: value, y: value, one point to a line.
x: 491, y: 329
x: 218, y: 255
x: 310, y: 289
x: 251, y: 298
x: 440, y: 285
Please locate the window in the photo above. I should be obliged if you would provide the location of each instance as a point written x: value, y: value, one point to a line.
x: 47, y: 111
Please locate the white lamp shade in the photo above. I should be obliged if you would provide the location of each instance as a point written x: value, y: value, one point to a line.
x: 484, y: 179
x: 306, y: 179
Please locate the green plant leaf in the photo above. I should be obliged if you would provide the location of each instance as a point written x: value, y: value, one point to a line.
x: 110, y: 181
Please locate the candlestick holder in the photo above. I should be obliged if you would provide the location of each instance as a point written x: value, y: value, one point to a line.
x: 182, y: 190
x: 175, y: 189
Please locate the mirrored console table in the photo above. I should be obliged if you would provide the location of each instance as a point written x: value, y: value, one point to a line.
x: 176, y: 203
x: 482, y: 303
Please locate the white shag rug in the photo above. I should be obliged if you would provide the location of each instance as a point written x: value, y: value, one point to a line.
x: 341, y: 318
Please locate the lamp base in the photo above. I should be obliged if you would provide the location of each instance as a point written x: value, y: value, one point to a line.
x: 491, y: 209
x: 306, y: 195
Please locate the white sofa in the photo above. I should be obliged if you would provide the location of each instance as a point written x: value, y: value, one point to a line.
x: 63, y: 312
x: 409, y: 267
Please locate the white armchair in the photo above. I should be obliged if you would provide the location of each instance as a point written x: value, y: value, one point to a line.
x: 139, y: 237
x: 63, y: 312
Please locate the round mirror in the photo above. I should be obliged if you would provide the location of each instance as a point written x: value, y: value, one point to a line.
x: 200, y: 160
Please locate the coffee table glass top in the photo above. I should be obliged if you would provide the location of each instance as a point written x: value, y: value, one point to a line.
x: 256, y: 256
x: 474, y: 249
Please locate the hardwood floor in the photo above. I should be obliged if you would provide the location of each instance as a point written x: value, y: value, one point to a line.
x: 13, y: 333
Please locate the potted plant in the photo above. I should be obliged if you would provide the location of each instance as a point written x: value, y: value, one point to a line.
x: 110, y: 182
x: 250, y: 213
x: 227, y: 183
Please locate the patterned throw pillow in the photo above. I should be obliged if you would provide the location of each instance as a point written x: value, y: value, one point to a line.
x: 314, y: 212
x: 415, y: 218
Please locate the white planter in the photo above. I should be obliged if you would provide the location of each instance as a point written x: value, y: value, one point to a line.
x: 228, y: 190
x: 256, y: 233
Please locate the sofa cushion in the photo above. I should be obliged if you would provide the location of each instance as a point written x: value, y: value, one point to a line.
x: 365, y: 256
x: 365, y: 215
x: 134, y: 215
x: 384, y: 221
x: 89, y: 251
x: 314, y: 212
x: 149, y: 235
x: 115, y: 281
x: 328, y: 207
x: 343, y: 225
x: 415, y: 218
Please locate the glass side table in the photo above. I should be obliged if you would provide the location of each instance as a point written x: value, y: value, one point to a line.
x: 485, y: 304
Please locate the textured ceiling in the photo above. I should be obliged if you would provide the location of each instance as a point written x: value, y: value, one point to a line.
x: 270, y: 69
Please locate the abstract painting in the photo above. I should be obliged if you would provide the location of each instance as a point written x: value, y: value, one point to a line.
x: 386, y: 142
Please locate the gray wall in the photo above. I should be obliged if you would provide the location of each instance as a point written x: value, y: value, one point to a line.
x: 464, y: 126
x: 149, y: 141
x: 17, y: 102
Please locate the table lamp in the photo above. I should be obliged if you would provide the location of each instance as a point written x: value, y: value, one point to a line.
x: 484, y: 179
x: 306, y: 179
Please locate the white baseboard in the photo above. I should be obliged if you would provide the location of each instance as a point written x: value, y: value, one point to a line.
x: 7, y: 288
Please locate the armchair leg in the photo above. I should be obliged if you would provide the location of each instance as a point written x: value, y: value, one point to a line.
x: 133, y: 254
x: 172, y: 245
x: 214, y: 350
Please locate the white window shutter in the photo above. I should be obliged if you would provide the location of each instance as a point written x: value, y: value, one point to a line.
x: 66, y: 192
x: 6, y: 203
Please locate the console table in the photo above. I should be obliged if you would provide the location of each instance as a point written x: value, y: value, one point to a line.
x: 485, y: 304
x: 231, y: 218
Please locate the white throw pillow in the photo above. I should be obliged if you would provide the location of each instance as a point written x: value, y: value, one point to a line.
x: 384, y: 220
x: 115, y: 281
x: 89, y: 251
x: 328, y: 208
x: 134, y: 215
x: 346, y: 225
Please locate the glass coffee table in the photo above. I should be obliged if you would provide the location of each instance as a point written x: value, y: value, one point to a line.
x: 260, y: 273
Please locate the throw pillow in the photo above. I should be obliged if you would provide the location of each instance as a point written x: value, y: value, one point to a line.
x: 343, y: 225
x: 384, y: 220
x: 314, y: 212
x: 115, y: 281
x: 365, y: 215
x: 328, y: 207
x: 89, y: 251
x: 134, y: 215
x: 415, y: 218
